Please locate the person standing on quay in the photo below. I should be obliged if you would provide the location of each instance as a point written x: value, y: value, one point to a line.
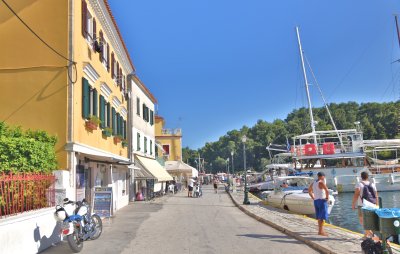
x: 320, y: 194
x: 190, y: 187
x: 365, y: 190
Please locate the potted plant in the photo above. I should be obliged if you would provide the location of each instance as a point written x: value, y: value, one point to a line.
x: 107, y: 132
x: 117, y: 138
x: 124, y: 143
x: 92, y: 122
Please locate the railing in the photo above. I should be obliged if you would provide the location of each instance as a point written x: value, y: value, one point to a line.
x: 25, y: 192
x: 172, y: 131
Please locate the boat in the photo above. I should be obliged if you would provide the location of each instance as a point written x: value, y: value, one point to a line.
x: 342, y: 154
x: 295, y: 197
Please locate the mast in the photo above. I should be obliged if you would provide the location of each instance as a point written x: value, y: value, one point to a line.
x: 306, y: 84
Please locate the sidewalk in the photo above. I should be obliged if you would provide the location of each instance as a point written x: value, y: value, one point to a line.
x: 302, y: 228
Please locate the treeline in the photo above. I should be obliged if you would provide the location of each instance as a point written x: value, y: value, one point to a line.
x: 377, y: 120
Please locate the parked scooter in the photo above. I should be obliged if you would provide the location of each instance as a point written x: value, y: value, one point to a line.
x: 78, y: 224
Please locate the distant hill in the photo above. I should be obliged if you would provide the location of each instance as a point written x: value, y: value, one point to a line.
x: 377, y: 120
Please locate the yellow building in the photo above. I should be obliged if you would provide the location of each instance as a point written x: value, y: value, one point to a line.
x: 82, y: 72
x: 169, y: 141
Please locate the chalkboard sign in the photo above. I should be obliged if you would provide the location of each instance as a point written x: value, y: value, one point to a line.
x: 102, y: 201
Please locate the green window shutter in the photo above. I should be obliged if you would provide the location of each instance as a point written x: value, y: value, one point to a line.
x: 102, y: 112
x: 144, y: 111
x: 118, y: 124
x: 138, y: 142
x: 125, y: 130
x: 95, y: 102
x: 114, y: 125
x: 108, y: 115
x: 85, y: 98
x: 151, y: 147
x: 151, y: 117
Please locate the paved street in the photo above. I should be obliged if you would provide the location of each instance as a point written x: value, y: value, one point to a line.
x: 211, y: 224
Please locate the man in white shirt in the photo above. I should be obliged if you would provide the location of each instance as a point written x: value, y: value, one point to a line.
x: 364, y: 190
x: 191, y: 184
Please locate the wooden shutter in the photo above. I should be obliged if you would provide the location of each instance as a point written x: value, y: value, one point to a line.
x: 85, y: 98
x: 108, y: 115
x: 144, y: 111
x: 101, y: 55
x: 95, y: 102
x: 84, y: 18
x: 118, y: 79
x: 102, y: 111
x: 125, y: 136
x: 112, y: 65
x: 119, y: 124
x: 108, y: 57
x: 114, y: 125
x: 94, y: 35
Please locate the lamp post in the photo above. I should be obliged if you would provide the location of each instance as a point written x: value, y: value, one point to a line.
x: 227, y: 180
x: 233, y: 170
x: 246, y: 192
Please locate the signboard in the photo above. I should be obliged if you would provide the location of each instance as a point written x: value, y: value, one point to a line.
x: 102, y: 201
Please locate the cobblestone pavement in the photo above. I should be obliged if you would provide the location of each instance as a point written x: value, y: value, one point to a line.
x: 178, y: 224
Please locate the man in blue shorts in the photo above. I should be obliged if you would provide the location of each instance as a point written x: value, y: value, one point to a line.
x: 320, y: 194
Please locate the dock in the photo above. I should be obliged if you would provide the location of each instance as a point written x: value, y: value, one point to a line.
x: 303, y: 228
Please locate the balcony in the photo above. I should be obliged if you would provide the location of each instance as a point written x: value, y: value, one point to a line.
x: 172, y: 132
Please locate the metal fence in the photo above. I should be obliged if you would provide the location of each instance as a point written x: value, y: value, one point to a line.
x: 25, y: 192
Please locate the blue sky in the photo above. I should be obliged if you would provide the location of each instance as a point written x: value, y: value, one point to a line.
x: 216, y: 65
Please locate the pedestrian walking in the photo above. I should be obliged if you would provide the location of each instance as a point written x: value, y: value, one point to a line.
x: 320, y: 194
x: 190, y: 186
x: 215, y: 185
x: 364, y: 191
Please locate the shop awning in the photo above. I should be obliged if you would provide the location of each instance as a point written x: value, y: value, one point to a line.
x: 142, y: 174
x: 181, y: 167
x: 154, y: 168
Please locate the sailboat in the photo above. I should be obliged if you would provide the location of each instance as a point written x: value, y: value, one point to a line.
x: 342, y: 154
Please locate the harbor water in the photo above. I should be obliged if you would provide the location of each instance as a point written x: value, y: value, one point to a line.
x: 343, y: 216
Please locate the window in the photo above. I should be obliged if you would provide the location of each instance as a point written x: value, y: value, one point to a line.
x: 114, y: 121
x: 166, y: 149
x: 138, y: 106
x: 104, y: 54
x: 138, y: 142
x: 89, y: 100
x: 145, y: 145
x: 151, y: 117
x: 151, y: 147
x: 145, y: 113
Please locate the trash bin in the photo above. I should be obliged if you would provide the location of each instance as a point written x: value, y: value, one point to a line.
x: 387, y: 217
x: 370, y: 219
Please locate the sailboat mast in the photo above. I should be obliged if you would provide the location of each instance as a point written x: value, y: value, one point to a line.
x: 306, y: 84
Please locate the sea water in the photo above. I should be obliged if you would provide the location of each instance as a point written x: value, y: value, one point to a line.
x: 343, y: 216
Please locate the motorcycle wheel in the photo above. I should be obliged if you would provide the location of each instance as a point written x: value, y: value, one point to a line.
x: 74, y: 242
x: 98, y: 226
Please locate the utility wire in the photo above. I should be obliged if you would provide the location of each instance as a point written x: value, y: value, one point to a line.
x: 33, y: 32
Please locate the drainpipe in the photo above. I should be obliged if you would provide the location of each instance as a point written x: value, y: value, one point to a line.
x: 70, y: 109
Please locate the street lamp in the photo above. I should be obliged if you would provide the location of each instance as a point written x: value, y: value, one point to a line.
x: 233, y: 170
x: 227, y: 180
x: 246, y: 192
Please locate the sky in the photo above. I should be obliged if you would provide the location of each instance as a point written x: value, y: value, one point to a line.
x: 216, y: 65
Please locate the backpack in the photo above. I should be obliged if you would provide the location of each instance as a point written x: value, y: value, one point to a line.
x: 368, y: 193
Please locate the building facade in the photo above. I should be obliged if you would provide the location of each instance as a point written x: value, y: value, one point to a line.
x: 74, y: 88
x: 169, y: 141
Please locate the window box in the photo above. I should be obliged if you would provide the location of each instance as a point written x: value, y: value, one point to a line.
x: 107, y: 132
x: 92, y: 122
x: 117, y: 139
x: 124, y: 143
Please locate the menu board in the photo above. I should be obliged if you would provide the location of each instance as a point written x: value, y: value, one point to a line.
x: 102, y: 201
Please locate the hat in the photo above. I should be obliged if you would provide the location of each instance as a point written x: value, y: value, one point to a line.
x: 320, y: 174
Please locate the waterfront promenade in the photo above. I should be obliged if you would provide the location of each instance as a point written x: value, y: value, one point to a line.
x: 178, y: 224
x: 339, y: 241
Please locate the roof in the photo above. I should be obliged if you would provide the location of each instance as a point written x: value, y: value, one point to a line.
x: 119, y: 32
x: 145, y: 89
x: 154, y: 168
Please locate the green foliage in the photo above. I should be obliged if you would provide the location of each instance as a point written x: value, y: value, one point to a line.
x: 29, y: 151
x: 378, y: 121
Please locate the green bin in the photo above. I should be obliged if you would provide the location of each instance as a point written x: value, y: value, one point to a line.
x: 386, y: 226
x: 370, y: 220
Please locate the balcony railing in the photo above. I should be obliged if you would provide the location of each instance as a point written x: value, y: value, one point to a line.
x: 172, y: 131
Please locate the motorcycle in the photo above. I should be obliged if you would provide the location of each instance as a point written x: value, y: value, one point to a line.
x: 78, y: 224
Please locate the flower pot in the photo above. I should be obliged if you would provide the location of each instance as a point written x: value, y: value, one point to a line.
x: 117, y: 139
x: 90, y: 125
x: 106, y: 133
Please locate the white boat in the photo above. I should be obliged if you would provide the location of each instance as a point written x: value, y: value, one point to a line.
x: 342, y: 154
x: 295, y: 197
